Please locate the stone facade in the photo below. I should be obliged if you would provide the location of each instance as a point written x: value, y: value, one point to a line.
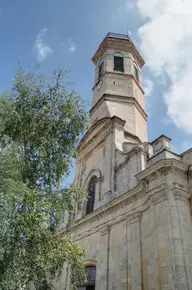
x: 139, y: 235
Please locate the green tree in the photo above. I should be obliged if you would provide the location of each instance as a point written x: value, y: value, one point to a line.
x: 40, y: 125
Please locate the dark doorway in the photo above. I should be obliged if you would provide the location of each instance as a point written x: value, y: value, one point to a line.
x: 89, y: 284
x: 90, y: 287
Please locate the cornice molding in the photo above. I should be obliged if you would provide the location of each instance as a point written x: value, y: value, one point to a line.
x: 106, y: 208
x: 184, y: 196
x: 102, y: 133
x: 134, y: 215
x: 137, y: 139
x: 95, y: 140
x: 181, y: 192
x: 134, y: 218
x: 156, y: 189
x: 120, y: 44
x: 119, y: 98
x: 99, y: 219
x: 105, y: 230
x: 159, y: 196
x: 162, y: 164
x: 103, y: 121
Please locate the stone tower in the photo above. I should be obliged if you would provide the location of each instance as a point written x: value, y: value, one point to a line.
x: 118, y: 119
x: 117, y: 87
x: 136, y: 222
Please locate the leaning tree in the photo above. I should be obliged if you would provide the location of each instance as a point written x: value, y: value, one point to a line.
x: 40, y: 125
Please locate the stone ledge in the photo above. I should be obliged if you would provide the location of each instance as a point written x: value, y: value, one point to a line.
x: 165, y: 163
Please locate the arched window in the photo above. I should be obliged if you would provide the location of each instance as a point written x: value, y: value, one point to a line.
x: 89, y: 283
x: 118, y: 61
x: 91, y: 195
x: 136, y: 71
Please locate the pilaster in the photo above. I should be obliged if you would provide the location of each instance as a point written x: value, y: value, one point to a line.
x: 134, y: 252
x: 181, y: 235
x: 103, y: 260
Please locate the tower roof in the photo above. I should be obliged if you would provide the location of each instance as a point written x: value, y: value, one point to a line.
x: 120, y: 42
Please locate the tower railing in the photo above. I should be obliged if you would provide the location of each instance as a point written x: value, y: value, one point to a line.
x: 118, y: 35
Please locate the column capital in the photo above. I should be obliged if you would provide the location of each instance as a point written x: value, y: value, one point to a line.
x: 133, y: 218
x: 105, y: 230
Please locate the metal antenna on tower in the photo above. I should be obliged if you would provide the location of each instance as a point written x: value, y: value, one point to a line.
x: 129, y: 34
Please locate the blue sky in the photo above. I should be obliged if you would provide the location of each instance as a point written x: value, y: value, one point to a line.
x: 65, y: 34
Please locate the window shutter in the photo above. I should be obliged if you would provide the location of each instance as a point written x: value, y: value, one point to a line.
x: 91, y: 274
x: 118, y: 63
x: 91, y: 196
x: 136, y: 72
x: 89, y: 283
x: 101, y: 69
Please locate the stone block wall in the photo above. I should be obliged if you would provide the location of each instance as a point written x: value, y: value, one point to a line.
x: 143, y: 239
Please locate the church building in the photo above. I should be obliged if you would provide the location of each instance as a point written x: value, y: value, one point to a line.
x: 136, y: 224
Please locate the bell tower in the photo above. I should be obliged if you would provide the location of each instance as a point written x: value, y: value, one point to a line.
x: 117, y: 87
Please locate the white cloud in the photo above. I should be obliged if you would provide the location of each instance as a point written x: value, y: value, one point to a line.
x: 166, y: 120
x: 43, y: 50
x: 148, y: 87
x: 130, y: 4
x: 71, y: 45
x: 166, y: 43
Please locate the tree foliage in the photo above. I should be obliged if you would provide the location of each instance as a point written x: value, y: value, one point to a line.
x: 40, y: 123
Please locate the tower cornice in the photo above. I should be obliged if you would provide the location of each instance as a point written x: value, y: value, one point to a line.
x: 119, y: 99
x: 118, y: 42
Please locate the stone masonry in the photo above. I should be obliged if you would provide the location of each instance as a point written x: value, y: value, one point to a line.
x: 139, y: 235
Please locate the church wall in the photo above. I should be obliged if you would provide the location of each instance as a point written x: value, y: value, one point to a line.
x: 125, y: 175
x: 167, y: 238
x: 118, y: 133
x: 101, y: 112
x: 120, y: 157
x: 156, y: 247
x: 96, y: 129
x: 99, y: 160
x: 145, y: 243
x: 135, y: 122
x: 187, y: 156
x: 92, y: 244
x: 140, y: 126
x: 118, y: 256
x: 118, y: 85
x: 138, y: 94
x: 181, y: 229
x: 112, y: 108
x: 127, y: 114
x: 97, y: 94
